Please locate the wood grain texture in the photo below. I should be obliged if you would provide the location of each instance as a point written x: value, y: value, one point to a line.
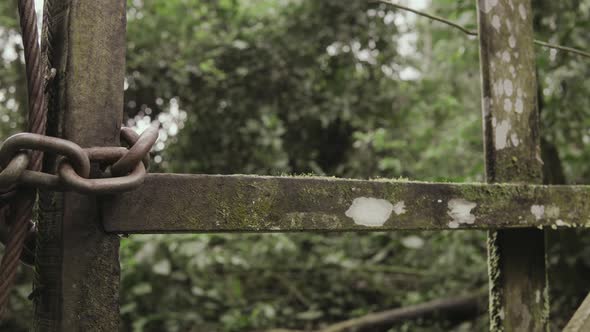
x: 518, y: 285
x: 77, y: 287
x: 176, y: 203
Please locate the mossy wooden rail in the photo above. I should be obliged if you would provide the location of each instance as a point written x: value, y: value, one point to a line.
x: 77, y: 261
x: 176, y: 203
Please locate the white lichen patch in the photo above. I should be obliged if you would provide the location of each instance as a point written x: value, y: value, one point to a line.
x: 505, y: 56
x: 399, y: 208
x: 508, y: 88
x: 538, y: 211
x: 514, y: 139
x: 501, y: 134
x: 488, y: 5
x: 537, y: 296
x: 512, y: 71
x: 519, y: 105
x: 460, y: 210
x: 522, y: 11
x: 370, y: 212
x: 496, y: 23
x: 561, y: 223
x: 486, y: 105
x: 512, y: 42
x: 552, y: 211
x: 507, y: 105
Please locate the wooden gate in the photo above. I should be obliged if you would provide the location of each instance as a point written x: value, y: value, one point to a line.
x: 78, y: 262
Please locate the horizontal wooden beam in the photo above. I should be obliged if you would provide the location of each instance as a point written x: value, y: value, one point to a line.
x: 177, y: 203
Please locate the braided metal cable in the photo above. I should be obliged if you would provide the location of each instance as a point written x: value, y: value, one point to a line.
x: 22, y: 207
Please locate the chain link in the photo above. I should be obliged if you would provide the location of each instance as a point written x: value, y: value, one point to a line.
x: 125, y: 168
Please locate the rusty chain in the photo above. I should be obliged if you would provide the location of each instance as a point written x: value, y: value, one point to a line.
x: 74, y: 165
x: 21, y: 157
x: 17, y: 179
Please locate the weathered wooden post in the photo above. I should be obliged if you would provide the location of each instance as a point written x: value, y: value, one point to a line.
x: 518, y: 286
x: 78, y: 265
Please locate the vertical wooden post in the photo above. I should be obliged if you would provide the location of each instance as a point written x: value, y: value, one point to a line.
x: 77, y: 287
x: 518, y: 285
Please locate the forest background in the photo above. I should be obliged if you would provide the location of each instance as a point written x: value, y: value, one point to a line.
x: 333, y: 88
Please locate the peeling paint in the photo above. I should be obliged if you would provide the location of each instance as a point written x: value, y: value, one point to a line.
x: 371, y: 212
x: 460, y: 211
x: 538, y: 211
x: 399, y: 208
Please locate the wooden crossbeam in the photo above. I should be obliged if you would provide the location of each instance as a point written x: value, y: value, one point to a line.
x: 176, y: 203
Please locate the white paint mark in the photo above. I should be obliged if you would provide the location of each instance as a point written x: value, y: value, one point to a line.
x: 507, y: 105
x: 522, y: 11
x: 505, y: 56
x: 538, y: 211
x: 496, y: 22
x: 518, y: 105
x: 501, y: 134
x: 460, y: 211
x: 371, y: 212
x: 399, y: 208
x: 514, y: 139
x: 439, y: 201
x: 508, y: 89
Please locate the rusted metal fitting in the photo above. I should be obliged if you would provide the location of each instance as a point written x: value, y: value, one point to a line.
x: 126, y: 168
x: 30, y: 141
x: 107, y: 185
x: 12, y: 172
x: 139, y: 148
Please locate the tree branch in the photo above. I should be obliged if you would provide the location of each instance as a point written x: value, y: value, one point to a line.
x: 474, y: 33
x: 461, y: 307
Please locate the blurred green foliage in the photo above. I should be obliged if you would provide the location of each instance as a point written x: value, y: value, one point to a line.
x: 325, y: 87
